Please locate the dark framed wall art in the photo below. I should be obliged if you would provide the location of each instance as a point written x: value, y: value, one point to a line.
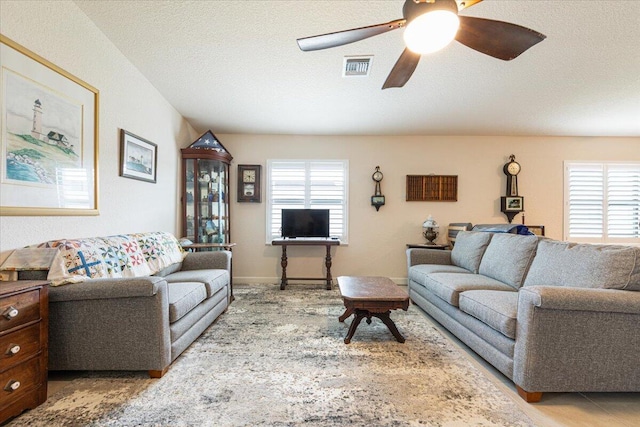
x: 138, y: 157
x: 249, y: 183
x: 513, y: 203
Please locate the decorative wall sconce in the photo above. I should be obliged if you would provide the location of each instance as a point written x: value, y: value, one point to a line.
x: 430, y: 230
x: 377, y: 199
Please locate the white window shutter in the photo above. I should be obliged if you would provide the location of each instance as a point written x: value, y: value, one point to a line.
x: 602, y: 202
x: 311, y: 184
x: 623, y: 201
x: 586, y: 203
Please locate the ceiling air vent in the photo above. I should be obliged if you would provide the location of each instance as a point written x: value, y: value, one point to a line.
x: 356, y: 66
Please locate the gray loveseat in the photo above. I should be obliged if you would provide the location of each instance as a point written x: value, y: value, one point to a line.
x: 552, y: 316
x: 137, y: 302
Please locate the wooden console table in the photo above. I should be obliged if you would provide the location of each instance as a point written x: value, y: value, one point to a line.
x: 305, y: 242
x: 427, y: 246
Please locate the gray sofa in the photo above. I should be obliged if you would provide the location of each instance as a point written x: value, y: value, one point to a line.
x: 552, y: 316
x: 142, y: 322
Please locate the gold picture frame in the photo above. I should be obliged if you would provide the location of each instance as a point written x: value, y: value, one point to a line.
x: 49, y: 137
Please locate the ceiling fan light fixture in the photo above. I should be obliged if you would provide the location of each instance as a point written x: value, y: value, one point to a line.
x: 423, y: 21
x: 431, y: 31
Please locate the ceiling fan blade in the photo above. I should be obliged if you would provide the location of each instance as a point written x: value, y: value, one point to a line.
x: 463, y: 4
x: 403, y: 69
x: 340, y: 38
x: 499, y: 39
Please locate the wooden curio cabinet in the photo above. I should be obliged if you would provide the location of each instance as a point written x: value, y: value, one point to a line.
x: 205, y: 191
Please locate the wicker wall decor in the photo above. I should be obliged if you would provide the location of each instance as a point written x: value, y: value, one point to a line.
x: 432, y: 188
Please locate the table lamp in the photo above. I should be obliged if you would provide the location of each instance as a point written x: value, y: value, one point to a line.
x: 430, y: 230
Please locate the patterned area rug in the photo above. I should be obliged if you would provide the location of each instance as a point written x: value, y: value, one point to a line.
x: 277, y: 358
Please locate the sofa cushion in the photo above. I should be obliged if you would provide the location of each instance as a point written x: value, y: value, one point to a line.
x: 213, y: 280
x: 454, y: 228
x: 448, y: 286
x: 177, y: 266
x: 508, y: 258
x: 469, y: 248
x: 585, y: 266
x: 184, y: 297
x: 497, y: 309
x: 418, y: 273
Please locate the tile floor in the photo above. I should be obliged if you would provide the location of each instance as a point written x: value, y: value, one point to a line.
x: 563, y: 409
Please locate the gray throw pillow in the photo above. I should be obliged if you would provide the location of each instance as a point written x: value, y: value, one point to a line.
x: 469, y: 248
x: 454, y: 228
x: 508, y: 258
x: 585, y: 266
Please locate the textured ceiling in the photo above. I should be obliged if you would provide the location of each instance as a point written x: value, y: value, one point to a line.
x: 235, y: 67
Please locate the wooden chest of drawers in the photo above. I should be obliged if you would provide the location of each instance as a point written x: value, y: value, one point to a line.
x: 24, y: 319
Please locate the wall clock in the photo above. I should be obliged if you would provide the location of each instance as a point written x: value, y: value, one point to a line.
x: 377, y: 199
x: 512, y: 169
x: 511, y: 204
x: 249, y: 186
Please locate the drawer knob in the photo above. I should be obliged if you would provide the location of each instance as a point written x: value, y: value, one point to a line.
x: 12, y: 385
x: 13, y: 349
x: 11, y: 312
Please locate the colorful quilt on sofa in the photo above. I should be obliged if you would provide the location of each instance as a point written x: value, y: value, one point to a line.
x: 126, y: 255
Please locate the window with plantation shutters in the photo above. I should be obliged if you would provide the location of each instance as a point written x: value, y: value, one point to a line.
x: 308, y: 184
x: 602, y: 202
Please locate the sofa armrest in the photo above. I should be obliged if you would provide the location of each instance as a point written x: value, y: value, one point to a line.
x: 93, y: 289
x: 577, y: 339
x: 581, y: 299
x: 110, y: 324
x: 428, y: 256
x: 220, y: 260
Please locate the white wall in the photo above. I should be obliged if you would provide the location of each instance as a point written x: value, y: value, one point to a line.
x: 377, y: 239
x: 61, y: 33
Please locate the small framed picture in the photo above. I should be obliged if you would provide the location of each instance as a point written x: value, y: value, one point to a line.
x: 248, y: 190
x: 514, y: 204
x: 138, y: 157
x: 377, y: 200
x: 249, y: 183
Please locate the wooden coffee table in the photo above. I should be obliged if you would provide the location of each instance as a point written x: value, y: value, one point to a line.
x: 371, y: 297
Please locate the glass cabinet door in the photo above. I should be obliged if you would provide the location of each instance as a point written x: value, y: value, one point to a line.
x: 211, y: 207
x: 206, y: 205
x: 189, y: 200
x: 206, y: 191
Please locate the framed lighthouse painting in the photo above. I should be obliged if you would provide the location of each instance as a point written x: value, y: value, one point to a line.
x: 48, y: 137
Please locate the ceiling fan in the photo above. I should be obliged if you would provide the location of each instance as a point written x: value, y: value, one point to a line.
x: 422, y: 19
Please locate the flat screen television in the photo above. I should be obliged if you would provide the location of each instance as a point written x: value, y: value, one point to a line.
x: 305, y: 223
